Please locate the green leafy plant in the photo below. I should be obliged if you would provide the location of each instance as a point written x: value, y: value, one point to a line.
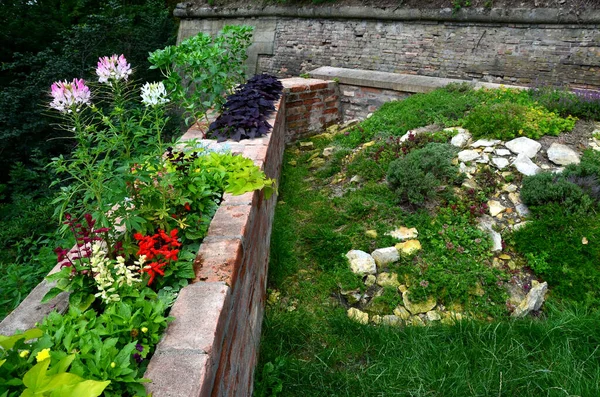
x: 423, y: 174
x: 201, y: 69
x: 56, y: 382
x: 507, y: 120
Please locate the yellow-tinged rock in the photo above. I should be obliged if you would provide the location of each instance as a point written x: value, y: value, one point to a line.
x: 421, y: 307
x: 376, y: 319
x: 477, y: 290
x: 371, y: 233
x: 401, y: 312
x: 388, y: 280
x: 306, y: 145
x: 368, y: 144
x: 314, y: 156
x: 292, y: 162
x: 415, y: 321
x: 505, y: 257
x: 402, y: 288
x: 408, y: 247
x: 403, y: 233
x: 450, y: 318
x: 358, y: 315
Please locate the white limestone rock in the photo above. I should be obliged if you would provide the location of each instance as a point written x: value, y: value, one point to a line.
x: 385, y: 256
x: 502, y: 152
x: 486, y: 224
x: 525, y: 146
x: 361, y: 262
x: 468, y: 155
x: 461, y: 139
x: 500, y: 162
x: 525, y: 166
x: 484, y: 143
x: 533, y: 301
x: 467, y: 169
x: 562, y: 154
x: 495, y: 207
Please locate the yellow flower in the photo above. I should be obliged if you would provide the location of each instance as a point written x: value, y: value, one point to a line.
x: 24, y: 353
x: 43, y: 355
x: 144, y: 329
x: 113, y: 364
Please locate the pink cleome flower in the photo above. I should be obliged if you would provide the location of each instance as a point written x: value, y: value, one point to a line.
x: 114, y: 68
x: 67, y: 97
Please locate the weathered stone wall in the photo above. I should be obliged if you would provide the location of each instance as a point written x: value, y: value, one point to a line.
x: 501, y: 46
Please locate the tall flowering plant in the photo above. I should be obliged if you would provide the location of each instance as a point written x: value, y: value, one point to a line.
x: 111, y: 136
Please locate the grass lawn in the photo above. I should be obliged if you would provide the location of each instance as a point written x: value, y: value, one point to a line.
x: 310, y: 347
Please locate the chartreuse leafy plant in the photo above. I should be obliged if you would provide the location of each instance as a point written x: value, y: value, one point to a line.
x: 202, y: 68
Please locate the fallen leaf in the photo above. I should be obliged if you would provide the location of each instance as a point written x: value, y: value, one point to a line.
x: 584, y: 241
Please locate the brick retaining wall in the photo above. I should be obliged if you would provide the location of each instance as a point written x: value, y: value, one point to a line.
x: 211, y: 347
x: 311, y: 106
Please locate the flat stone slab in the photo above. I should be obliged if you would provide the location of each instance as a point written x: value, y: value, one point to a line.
x: 484, y: 143
x: 525, y: 166
x: 524, y: 145
x: 468, y: 155
x: 561, y: 154
x: 389, y: 81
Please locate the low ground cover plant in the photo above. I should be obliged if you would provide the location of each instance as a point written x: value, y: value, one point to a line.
x: 424, y: 173
x: 137, y: 208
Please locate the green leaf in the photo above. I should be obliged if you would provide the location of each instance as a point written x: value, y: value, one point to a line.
x: 62, y: 365
x: 87, y: 388
x: 35, y: 379
x: 7, y: 342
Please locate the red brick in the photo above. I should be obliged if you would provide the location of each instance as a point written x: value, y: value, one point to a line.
x: 331, y: 104
x: 311, y: 101
x: 296, y: 117
x: 295, y: 110
x: 299, y: 88
x: 308, y: 95
x: 331, y: 111
x: 319, y: 86
x: 294, y: 104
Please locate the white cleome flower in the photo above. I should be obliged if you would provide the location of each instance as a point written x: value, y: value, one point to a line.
x: 154, y: 94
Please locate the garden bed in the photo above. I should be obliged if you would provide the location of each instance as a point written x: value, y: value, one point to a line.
x: 430, y: 310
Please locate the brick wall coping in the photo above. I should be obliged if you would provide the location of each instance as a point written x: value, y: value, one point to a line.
x: 392, y: 81
x: 480, y: 15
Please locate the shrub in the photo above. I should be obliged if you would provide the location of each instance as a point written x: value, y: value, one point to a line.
x: 422, y: 174
x: 507, y: 120
x: 577, y: 188
x: 579, y: 103
x: 545, y: 188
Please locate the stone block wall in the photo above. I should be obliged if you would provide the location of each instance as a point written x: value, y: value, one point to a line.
x: 506, y: 46
x: 357, y: 101
x: 311, y: 106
